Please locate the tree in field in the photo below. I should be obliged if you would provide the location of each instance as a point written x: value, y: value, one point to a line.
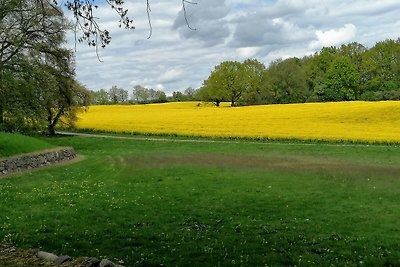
x: 99, y: 97
x: 212, y: 91
x: 254, y: 80
x: 160, y: 97
x: 353, y: 51
x: 381, y: 67
x: 140, y: 94
x: 233, y: 80
x: 178, y: 96
x: 315, y: 68
x: 226, y: 82
x: 190, y: 93
x: 117, y: 95
x: 288, y: 81
x: 342, y: 81
x: 144, y: 95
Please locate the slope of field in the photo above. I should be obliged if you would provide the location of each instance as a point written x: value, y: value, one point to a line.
x: 368, y: 121
x: 12, y: 144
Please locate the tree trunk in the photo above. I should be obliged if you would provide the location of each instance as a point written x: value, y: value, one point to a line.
x: 1, y: 115
x: 51, y: 127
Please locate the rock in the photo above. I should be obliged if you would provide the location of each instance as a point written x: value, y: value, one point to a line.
x: 106, y: 263
x: 47, y: 256
x: 92, y: 262
x: 62, y: 259
x: 23, y: 162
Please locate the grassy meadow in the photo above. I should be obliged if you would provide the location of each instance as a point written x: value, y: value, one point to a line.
x: 13, y: 144
x: 175, y: 203
x: 348, y: 121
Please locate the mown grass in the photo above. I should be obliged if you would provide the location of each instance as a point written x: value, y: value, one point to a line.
x: 153, y: 203
x: 227, y: 138
x: 13, y: 144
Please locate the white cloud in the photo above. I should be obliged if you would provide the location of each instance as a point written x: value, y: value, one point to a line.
x: 334, y: 36
x: 171, y: 75
x: 247, y: 52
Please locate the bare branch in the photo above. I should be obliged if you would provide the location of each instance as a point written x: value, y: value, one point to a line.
x: 149, y: 19
x: 184, y: 2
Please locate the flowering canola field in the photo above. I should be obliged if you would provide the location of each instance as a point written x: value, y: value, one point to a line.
x: 368, y: 121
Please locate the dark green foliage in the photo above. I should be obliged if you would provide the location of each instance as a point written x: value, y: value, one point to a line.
x: 288, y: 81
x: 341, y: 82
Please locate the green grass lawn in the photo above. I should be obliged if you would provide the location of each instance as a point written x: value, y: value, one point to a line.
x: 13, y: 144
x: 153, y: 203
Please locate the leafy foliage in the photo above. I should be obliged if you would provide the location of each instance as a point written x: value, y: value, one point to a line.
x: 36, y: 73
x: 348, y: 72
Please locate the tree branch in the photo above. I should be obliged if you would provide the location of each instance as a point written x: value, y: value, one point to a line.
x: 184, y: 2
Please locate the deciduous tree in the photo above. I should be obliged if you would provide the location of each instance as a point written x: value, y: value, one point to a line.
x: 288, y: 81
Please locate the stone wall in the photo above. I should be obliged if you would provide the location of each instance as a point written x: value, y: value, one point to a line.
x: 35, y: 160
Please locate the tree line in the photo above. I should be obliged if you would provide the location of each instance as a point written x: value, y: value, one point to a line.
x: 345, y: 73
x: 139, y: 95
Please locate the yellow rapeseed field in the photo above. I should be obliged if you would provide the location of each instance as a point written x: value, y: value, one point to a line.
x: 369, y: 121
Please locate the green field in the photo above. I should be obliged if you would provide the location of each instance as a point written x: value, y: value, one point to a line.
x: 13, y: 144
x: 176, y: 203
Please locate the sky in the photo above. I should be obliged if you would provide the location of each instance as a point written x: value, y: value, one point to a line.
x: 176, y: 57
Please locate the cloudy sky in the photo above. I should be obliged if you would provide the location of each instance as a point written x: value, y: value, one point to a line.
x: 176, y: 57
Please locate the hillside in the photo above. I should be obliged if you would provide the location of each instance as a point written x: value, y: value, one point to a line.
x: 13, y: 144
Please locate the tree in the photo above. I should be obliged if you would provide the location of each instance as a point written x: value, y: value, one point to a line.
x: 288, y: 81
x: 315, y: 68
x: 117, y: 95
x: 161, y: 97
x: 342, y: 81
x: 190, y: 93
x: 226, y: 82
x: 26, y: 27
x: 212, y: 92
x: 37, y: 74
x: 144, y: 95
x: 99, y: 97
x: 178, y: 96
x: 140, y: 94
x: 254, y: 79
x: 381, y: 67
